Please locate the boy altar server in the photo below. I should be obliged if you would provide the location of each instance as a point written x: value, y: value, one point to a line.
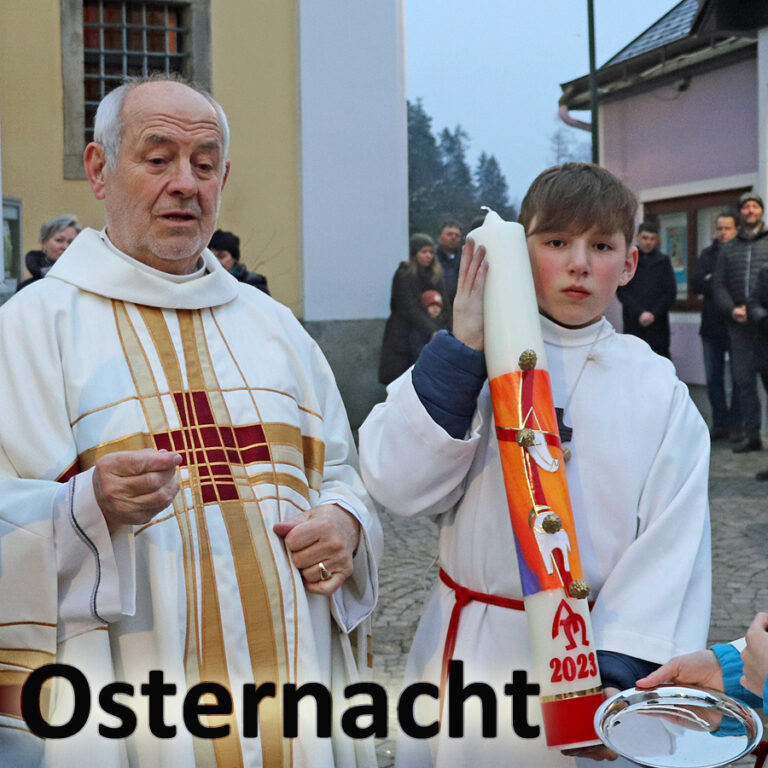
x: 637, y: 476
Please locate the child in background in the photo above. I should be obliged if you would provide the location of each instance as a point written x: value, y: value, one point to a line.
x: 432, y: 301
x: 637, y: 476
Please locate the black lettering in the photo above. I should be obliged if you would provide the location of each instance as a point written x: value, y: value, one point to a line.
x: 30, y: 701
x: 193, y: 709
x: 405, y: 716
x: 377, y: 710
x: 520, y: 689
x: 458, y: 694
x: 251, y: 698
x: 125, y: 715
x: 323, y: 707
x: 156, y: 689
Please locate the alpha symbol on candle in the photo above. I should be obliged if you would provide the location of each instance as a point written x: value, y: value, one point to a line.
x: 571, y: 623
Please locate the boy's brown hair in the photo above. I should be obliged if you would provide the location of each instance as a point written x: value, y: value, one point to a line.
x: 575, y: 197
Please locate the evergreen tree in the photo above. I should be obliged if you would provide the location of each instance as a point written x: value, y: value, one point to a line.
x: 492, y: 189
x: 425, y: 171
x: 440, y: 183
x: 457, y: 192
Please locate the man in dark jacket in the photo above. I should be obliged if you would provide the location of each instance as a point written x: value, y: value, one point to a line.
x: 714, y: 331
x: 734, y: 280
x: 449, y: 255
x: 226, y: 248
x: 648, y: 296
x: 757, y: 311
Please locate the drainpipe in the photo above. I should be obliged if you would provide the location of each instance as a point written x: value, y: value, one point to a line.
x: 762, y: 112
x: 593, y: 82
x: 565, y: 116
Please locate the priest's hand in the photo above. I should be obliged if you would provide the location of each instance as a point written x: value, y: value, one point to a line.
x: 468, y: 304
x: 131, y: 487
x: 324, y: 536
x: 755, y: 655
x: 597, y: 752
x: 697, y: 668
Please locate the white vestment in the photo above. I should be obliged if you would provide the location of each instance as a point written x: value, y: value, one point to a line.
x: 106, y: 354
x: 638, y: 486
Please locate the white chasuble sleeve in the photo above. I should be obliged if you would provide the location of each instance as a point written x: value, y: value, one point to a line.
x: 656, y: 601
x: 96, y: 571
x: 37, y: 447
x: 409, y: 463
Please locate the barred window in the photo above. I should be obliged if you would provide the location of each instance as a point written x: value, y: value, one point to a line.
x: 123, y: 39
x: 105, y: 41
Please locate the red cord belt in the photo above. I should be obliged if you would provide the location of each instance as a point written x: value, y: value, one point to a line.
x: 464, y: 596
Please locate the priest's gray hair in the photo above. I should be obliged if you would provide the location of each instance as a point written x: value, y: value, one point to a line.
x: 108, y: 124
x: 54, y: 226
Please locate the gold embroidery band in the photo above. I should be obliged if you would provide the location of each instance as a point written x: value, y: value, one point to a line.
x: 570, y: 695
x: 26, y: 657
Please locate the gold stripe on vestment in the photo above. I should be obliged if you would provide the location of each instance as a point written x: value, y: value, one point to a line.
x: 135, y: 442
x: 284, y: 479
x: 141, y: 371
x: 161, y: 339
x: 214, y: 662
x: 26, y: 657
x: 213, y: 659
x: 22, y: 623
x: 257, y: 572
x: 154, y: 321
x: 249, y: 553
x: 157, y: 418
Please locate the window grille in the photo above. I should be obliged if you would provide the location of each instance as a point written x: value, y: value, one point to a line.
x: 125, y: 38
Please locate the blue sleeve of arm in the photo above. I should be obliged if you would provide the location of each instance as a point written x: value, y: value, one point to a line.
x: 733, y: 669
x: 620, y: 671
x: 448, y: 377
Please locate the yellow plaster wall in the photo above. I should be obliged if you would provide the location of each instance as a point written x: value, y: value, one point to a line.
x: 254, y: 78
x: 32, y: 123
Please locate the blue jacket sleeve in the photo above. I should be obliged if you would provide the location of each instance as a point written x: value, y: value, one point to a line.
x: 448, y: 377
x: 733, y: 669
x: 620, y: 670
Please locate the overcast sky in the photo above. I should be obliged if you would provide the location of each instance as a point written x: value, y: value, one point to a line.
x: 495, y: 67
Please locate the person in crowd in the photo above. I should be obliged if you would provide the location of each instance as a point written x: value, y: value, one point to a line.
x: 637, y: 474
x: 448, y: 254
x: 56, y: 236
x: 734, y: 279
x: 741, y: 674
x: 647, y: 298
x: 410, y: 326
x: 432, y: 301
x: 757, y: 312
x: 178, y: 482
x: 714, y: 331
x: 226, y: 248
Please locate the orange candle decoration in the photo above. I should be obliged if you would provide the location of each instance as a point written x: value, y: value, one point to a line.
x: 554, y: 591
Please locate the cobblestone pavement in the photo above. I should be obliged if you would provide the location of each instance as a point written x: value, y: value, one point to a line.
x: 739, y: 510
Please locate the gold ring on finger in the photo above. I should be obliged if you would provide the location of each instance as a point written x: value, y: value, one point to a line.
x: 325, y: 574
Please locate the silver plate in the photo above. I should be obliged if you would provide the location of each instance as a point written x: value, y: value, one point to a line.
x: 674, y: 725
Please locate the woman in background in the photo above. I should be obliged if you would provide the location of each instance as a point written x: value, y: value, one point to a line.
x: 55, y: 237
x: 411, y: 325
